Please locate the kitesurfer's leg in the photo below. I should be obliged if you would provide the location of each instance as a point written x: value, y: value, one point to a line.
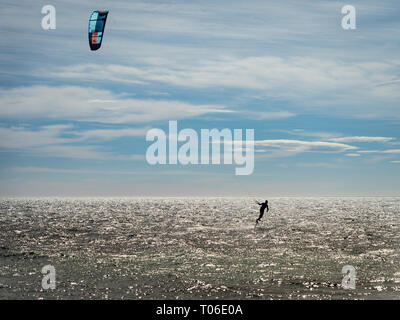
x: 261, y: 215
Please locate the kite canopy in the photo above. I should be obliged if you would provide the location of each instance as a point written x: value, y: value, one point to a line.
x: 97, y: 22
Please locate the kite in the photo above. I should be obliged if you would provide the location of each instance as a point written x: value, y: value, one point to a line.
x: 97, y: 22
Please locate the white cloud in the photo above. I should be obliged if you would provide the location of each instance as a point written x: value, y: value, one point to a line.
x: 68, y: 151
x: 306, y: 133
x: 362, y: 139
x: 391, y: 151
x: 295, y: 77
x: 264, y: 115
x: 319, y: 165
x: 304, y: 145
x: 369, y: 151
x: 284, y: 148
x: 21, y: 137
x: 388, y: 151
x: 24, y: 137
x: 111, y: 134
x: 77, y: 103
x: 328, y: 142
x: 49, y: 141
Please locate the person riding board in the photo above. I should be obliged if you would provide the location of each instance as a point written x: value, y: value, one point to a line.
x: 264, y: 205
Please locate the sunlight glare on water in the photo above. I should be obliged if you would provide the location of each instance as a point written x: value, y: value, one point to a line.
x: 193, y: 248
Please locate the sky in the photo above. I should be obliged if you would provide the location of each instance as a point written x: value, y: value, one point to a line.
x: 323, y: 101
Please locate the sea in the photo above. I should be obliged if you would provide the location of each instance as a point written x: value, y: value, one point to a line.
x: 199, y: 248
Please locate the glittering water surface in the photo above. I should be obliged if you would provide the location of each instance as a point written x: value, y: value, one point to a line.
x: 193, y: 248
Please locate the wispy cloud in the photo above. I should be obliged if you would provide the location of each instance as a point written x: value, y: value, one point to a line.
x: 305, y: 145
x: 311, y: 164
x: 110, y: 134
x: 362, y: 139
x: 307, y: 133
x: 391, y: 151
x: 77, y: 103
x: 281, y: 148
x: 305, y: 76
x: 288, y: 147
x: 22, y: 137
x: 50, y: 141
x: 264, y: 115
x: 387, y: 151
x: 316, y: 81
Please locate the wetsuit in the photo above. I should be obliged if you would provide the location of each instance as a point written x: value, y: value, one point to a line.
x: 264, y: 206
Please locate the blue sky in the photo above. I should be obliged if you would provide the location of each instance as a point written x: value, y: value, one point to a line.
x: 323, y: 101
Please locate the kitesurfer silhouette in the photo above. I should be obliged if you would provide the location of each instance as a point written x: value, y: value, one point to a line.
x: 264, y: 205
